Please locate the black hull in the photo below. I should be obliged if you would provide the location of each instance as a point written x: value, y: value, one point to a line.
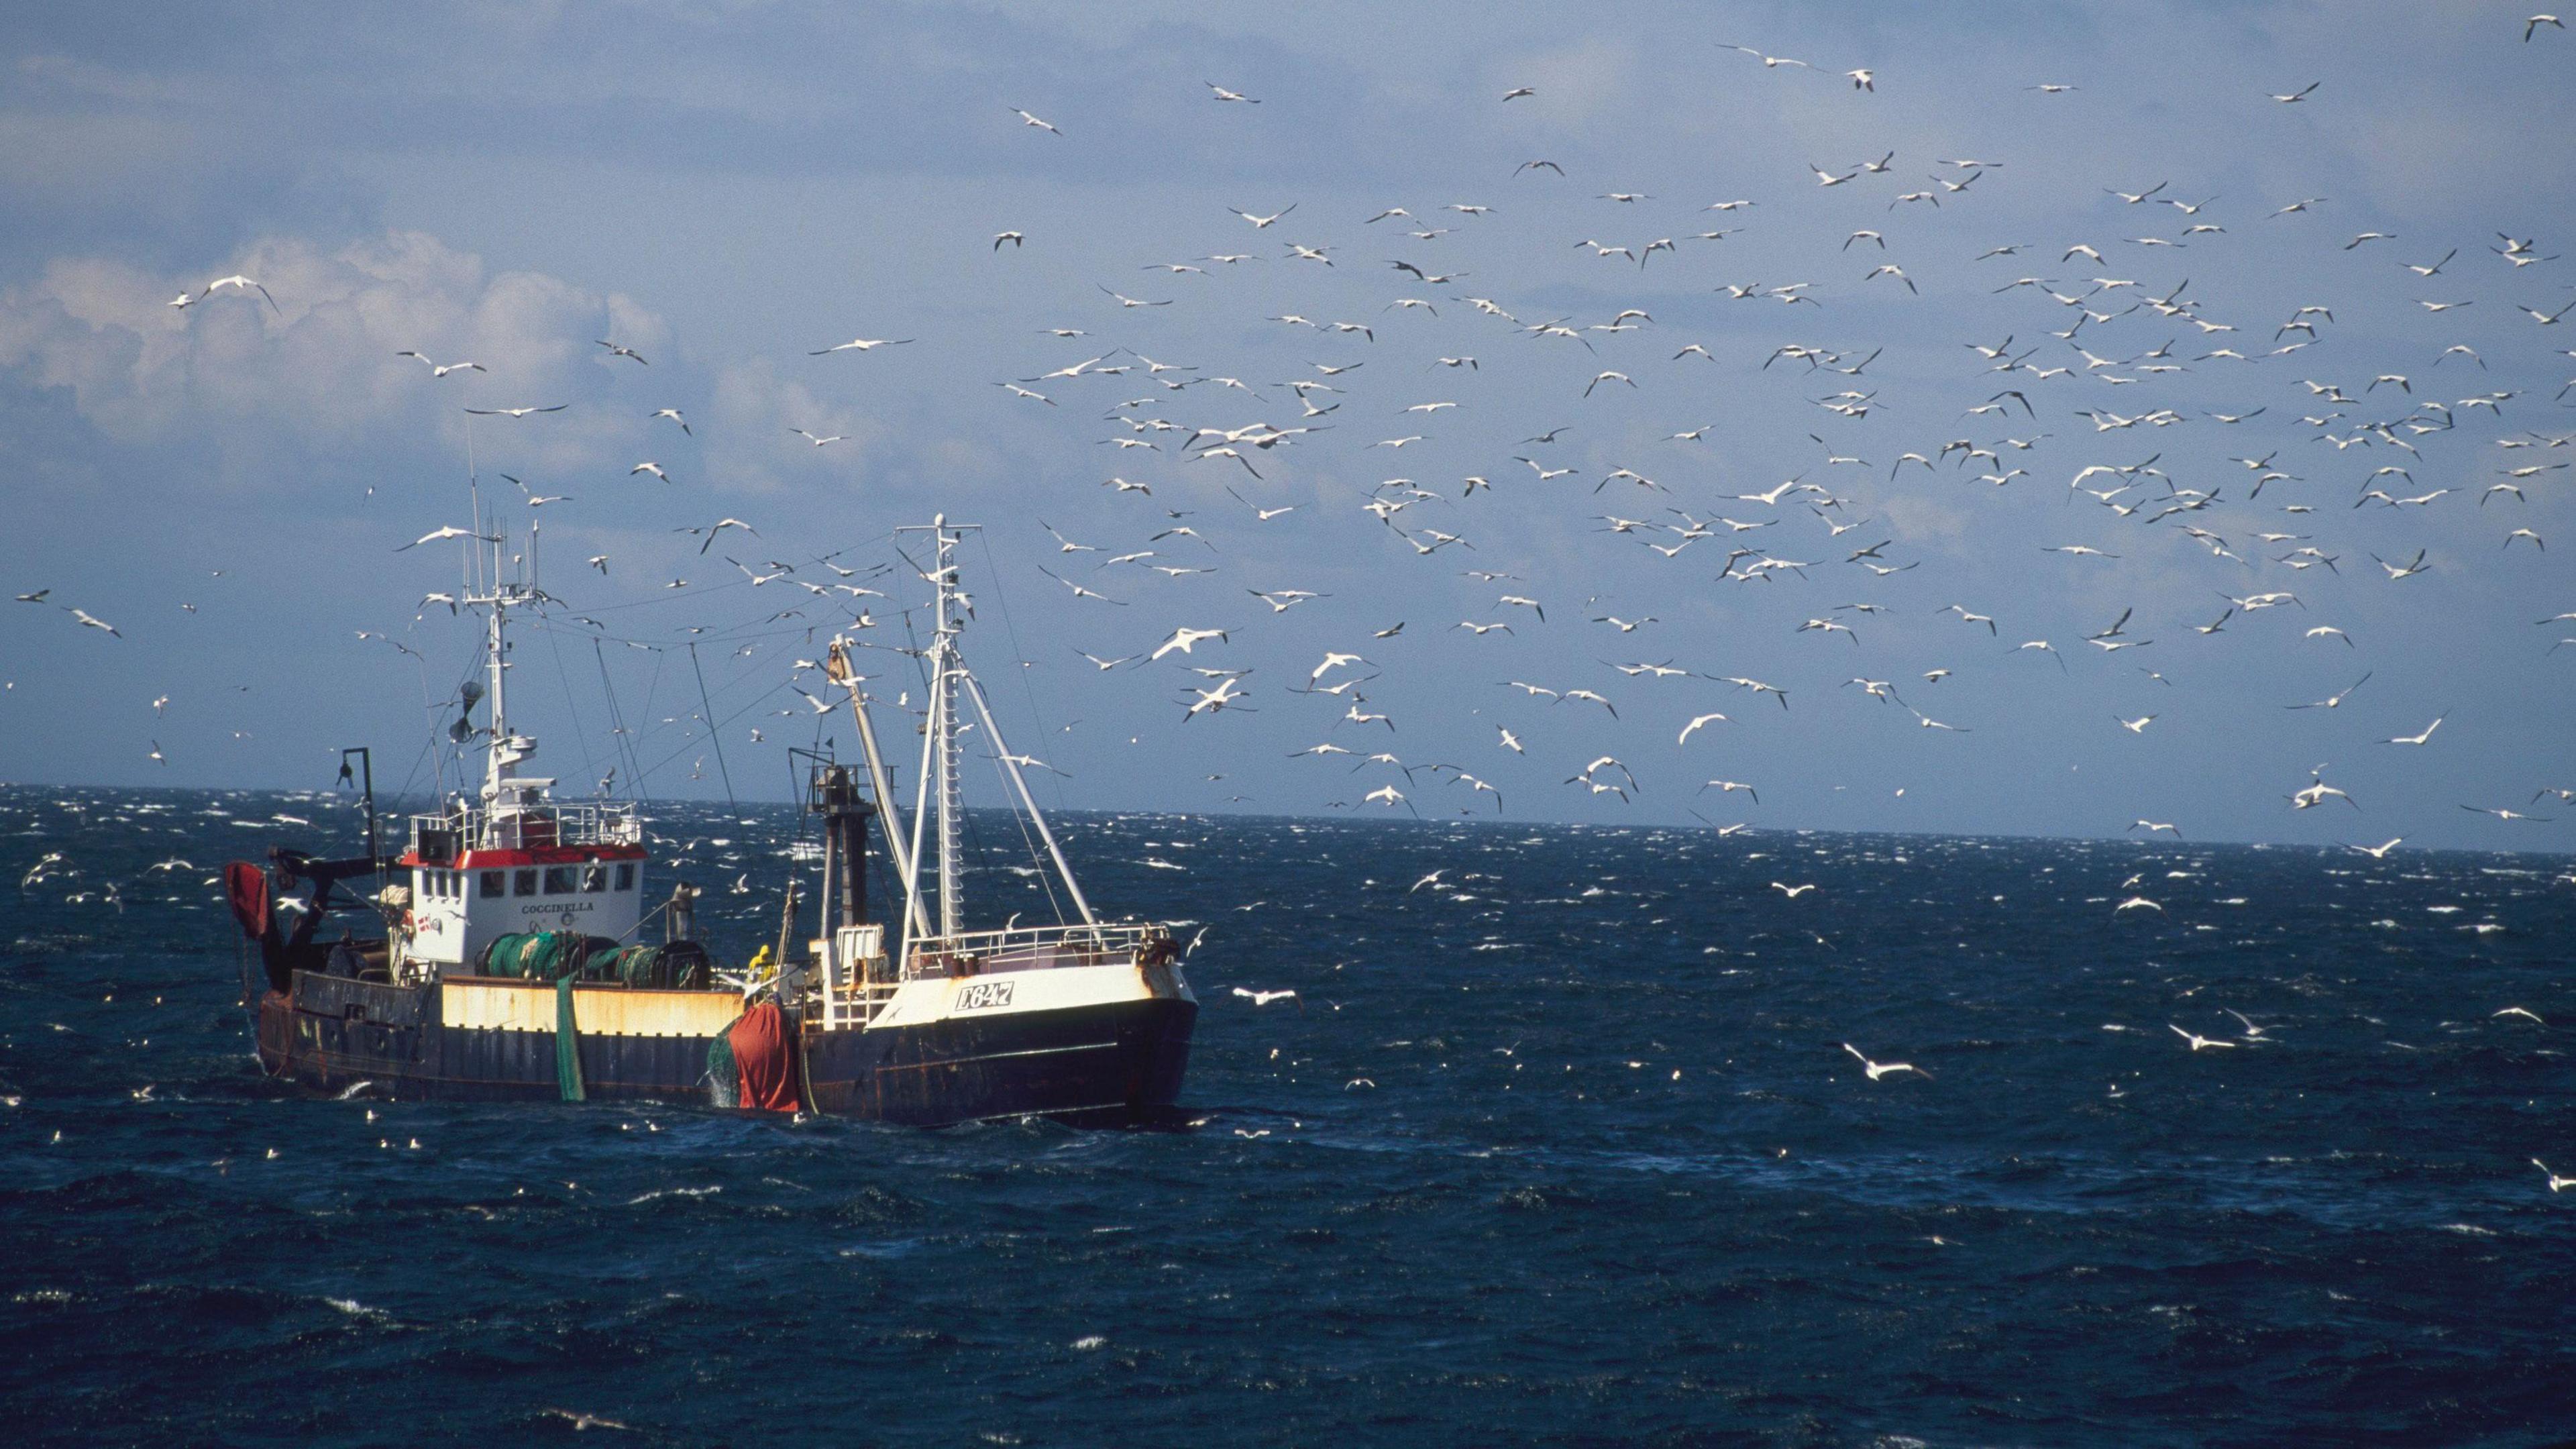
x: 1112, y: 1064
x: 1116, y: 1063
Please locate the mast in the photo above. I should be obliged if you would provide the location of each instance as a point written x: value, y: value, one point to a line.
x: 939, y: 748
x: 496, y: 767
x: 916, y: 925
x: 951, y: 800
x: 951, y: 686
x: 497, y: 596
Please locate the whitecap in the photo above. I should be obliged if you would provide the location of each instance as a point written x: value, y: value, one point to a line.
x: 673, y: 1192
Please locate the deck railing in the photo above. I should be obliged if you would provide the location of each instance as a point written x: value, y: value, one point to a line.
x: 851, y: 997
x: 527, y: 827
x: 849, y: 1003
x: 1026, y: 948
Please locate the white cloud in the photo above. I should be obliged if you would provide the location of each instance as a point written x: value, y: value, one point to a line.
x: 1574, y: 83
x: 319, y: 368
x: 756, y: 414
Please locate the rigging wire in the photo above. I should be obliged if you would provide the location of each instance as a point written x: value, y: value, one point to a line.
x: 617, y: 723
x: 429, y: 749
x: 1019, y: 656
x: 714, y: 636
x: 428, y: 752
x: 754, y: 703
x: 652, y: 688
x: 1028, y: 841
x: 1002, y: 601
x: 715, y: 732
x: 727, y: 686
x: 572, y: 706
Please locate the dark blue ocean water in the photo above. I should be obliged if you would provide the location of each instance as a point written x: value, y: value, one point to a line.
x: 1561, y: 1149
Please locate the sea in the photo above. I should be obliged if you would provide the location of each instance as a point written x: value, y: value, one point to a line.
x: 1558, y: 1142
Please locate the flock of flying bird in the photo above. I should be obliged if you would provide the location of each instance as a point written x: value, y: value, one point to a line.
x: 2024, y: 370
x: 2034, y: 367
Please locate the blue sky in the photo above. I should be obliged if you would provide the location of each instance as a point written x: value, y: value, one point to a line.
x: 726, y: 189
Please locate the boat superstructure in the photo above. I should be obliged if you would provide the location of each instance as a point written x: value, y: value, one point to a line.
x: 511, y: 860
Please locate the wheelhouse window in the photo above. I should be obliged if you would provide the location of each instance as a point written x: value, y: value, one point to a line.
x: 491, y: 885
x: 559, y: 880
x: 626, y: 875
x: 523, y: 883
x: 594, y: 879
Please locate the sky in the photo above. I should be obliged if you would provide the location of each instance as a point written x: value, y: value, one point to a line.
x: 729, y: 189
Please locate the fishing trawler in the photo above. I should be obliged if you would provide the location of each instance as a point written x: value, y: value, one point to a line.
x: 507, y: 959
x: 1085, y: 1020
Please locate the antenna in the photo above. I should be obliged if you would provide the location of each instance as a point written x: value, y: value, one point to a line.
x: 474, y: 501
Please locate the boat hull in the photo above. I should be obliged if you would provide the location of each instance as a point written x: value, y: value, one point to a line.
x: 330, y: 1033
x: 1107, y: 1063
